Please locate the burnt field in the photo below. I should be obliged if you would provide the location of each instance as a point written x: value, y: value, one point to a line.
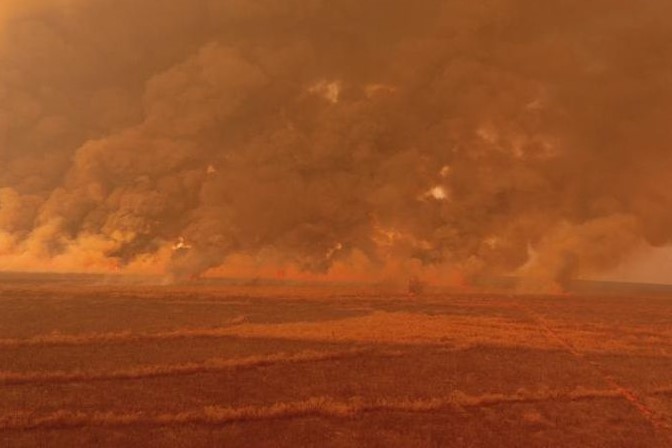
x: 89, y: 363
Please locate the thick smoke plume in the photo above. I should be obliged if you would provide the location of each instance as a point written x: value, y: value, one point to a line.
x: 352, y: 137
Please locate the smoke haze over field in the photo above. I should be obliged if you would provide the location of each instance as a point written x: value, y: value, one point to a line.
x: 350, y: 137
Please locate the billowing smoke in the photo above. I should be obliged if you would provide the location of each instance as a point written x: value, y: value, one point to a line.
x: 463, y: 138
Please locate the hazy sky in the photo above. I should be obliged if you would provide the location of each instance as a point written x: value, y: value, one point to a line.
x: 456, y: 137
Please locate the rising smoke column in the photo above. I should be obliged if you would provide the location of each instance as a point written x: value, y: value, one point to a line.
x: 501, y: 137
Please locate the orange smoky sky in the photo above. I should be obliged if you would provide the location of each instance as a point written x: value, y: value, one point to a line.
x: 343, y: 139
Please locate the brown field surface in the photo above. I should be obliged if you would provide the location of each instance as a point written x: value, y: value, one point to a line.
x: 88, y: 362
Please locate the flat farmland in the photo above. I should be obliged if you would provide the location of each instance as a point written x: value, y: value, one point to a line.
x: 105, y: 364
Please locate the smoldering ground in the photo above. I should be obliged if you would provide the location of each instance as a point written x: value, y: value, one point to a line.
x: 483, y: 138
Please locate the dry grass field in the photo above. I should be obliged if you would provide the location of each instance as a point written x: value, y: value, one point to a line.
x: 89, y: 363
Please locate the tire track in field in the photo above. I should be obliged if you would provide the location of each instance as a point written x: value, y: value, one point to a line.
x: 325, y: 407
x: 657, y: 422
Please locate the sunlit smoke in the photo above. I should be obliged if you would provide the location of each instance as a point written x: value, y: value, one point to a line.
x: 329, y: 90
x: 443, y: 140
x: 438, y: 193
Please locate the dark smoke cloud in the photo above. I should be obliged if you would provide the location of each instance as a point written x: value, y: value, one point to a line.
x: 486, y: 138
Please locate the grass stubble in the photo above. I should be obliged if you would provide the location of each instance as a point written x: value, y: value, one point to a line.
x: 361, y: 336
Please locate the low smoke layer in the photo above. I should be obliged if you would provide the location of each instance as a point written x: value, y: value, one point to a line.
x: 465, y: 139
